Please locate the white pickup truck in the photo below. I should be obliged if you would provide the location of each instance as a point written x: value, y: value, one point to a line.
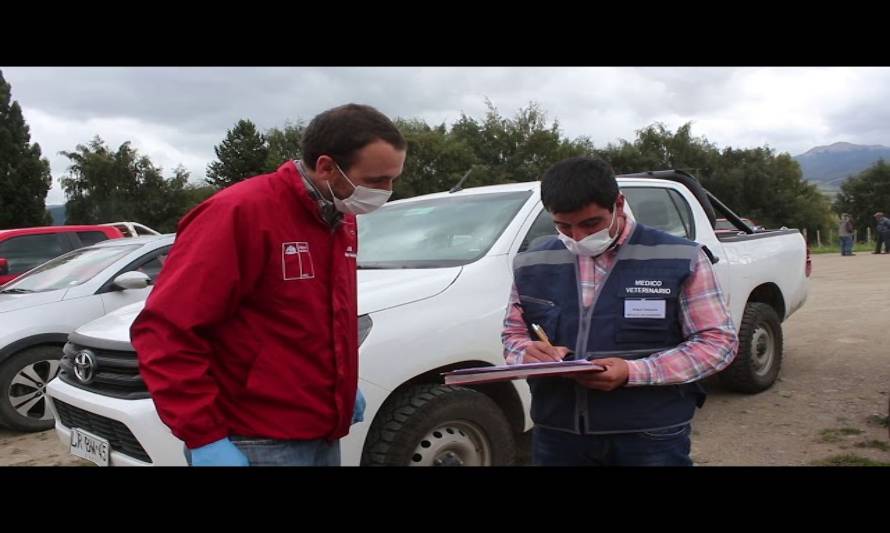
x: 435, y: 274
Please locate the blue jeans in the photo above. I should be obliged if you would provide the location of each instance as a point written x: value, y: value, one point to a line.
x: 846, y: 245
x: 665, y: 447
x: 271, y: 452
x: 882, y: 237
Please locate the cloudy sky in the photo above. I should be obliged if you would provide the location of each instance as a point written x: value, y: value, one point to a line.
x: 176, y: 115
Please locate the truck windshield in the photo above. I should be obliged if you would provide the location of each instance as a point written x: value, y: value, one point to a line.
x: 435, y: 233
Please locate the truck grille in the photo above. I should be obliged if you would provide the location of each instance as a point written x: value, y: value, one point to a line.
x: 118, y: 435
x: 114, y: 373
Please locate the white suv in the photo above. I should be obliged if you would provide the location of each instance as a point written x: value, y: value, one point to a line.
x: 40, y: 308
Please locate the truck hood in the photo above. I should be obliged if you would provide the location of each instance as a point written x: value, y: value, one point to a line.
x: 377, y: 290
x: 112, y: 330
x: 384, y: 289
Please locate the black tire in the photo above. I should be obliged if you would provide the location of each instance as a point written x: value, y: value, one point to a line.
x: 757, y: 364
x: 439, y: 425
x: 23, y: 379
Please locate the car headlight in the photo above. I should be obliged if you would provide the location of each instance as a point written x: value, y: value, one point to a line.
x: 364, y: 327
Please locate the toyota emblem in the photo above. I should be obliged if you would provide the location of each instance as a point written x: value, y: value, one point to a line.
x: 85, y: 366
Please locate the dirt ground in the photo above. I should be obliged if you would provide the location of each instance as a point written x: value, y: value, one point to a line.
x: 830, y: 400
x: 831, y: 397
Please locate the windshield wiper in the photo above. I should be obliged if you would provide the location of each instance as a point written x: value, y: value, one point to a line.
x: 16, y: 291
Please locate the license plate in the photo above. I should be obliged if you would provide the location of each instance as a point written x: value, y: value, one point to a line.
x: 90, y: 447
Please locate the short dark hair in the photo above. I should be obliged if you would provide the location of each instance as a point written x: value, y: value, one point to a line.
x: 342, y: 131
x: 577, y: 182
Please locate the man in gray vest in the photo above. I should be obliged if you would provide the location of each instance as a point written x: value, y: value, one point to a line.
x: 641, y: 302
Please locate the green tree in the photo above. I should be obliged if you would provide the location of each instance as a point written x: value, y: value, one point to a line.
x: 242, y: 154
x: 197, y: 193
x: 510, y: 150
x: 657, y: 148
x: 160, y: 202
x: 770, y: 189
x: 436, y: 160
x: 99, y: 184
x: 493, y: 150
x: 107, y: 186
x: 864, y: 195
x: 25, y: 176
x: 283, y: 145
x: 753, y: 182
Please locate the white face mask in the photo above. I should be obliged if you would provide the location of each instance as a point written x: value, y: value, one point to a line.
x: 362, y: 200
x: 594, y: 244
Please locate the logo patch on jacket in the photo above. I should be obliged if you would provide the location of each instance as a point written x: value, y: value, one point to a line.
x: 296, y: 261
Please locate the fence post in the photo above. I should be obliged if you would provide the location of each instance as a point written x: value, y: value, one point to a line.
x: 819, y: 238
x: 867, y: 234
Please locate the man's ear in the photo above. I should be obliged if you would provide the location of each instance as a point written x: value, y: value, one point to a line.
x: 325, y: 166
x: 326, y: 169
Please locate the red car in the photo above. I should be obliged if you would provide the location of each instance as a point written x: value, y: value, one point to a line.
x: 24, y: 248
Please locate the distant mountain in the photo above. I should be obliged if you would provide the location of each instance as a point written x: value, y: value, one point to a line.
x: 828, y: 166
x: 58, y: 213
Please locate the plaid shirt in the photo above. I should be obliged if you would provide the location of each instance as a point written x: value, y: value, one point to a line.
x: 711, y: 339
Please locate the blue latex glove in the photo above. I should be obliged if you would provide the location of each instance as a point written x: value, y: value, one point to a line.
x: 358, y: 414
x: 219, y: 453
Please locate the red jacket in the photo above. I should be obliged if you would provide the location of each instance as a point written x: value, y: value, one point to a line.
x: 252, y: 328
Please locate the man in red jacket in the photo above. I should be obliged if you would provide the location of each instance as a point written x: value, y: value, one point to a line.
x: 249, y: 341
